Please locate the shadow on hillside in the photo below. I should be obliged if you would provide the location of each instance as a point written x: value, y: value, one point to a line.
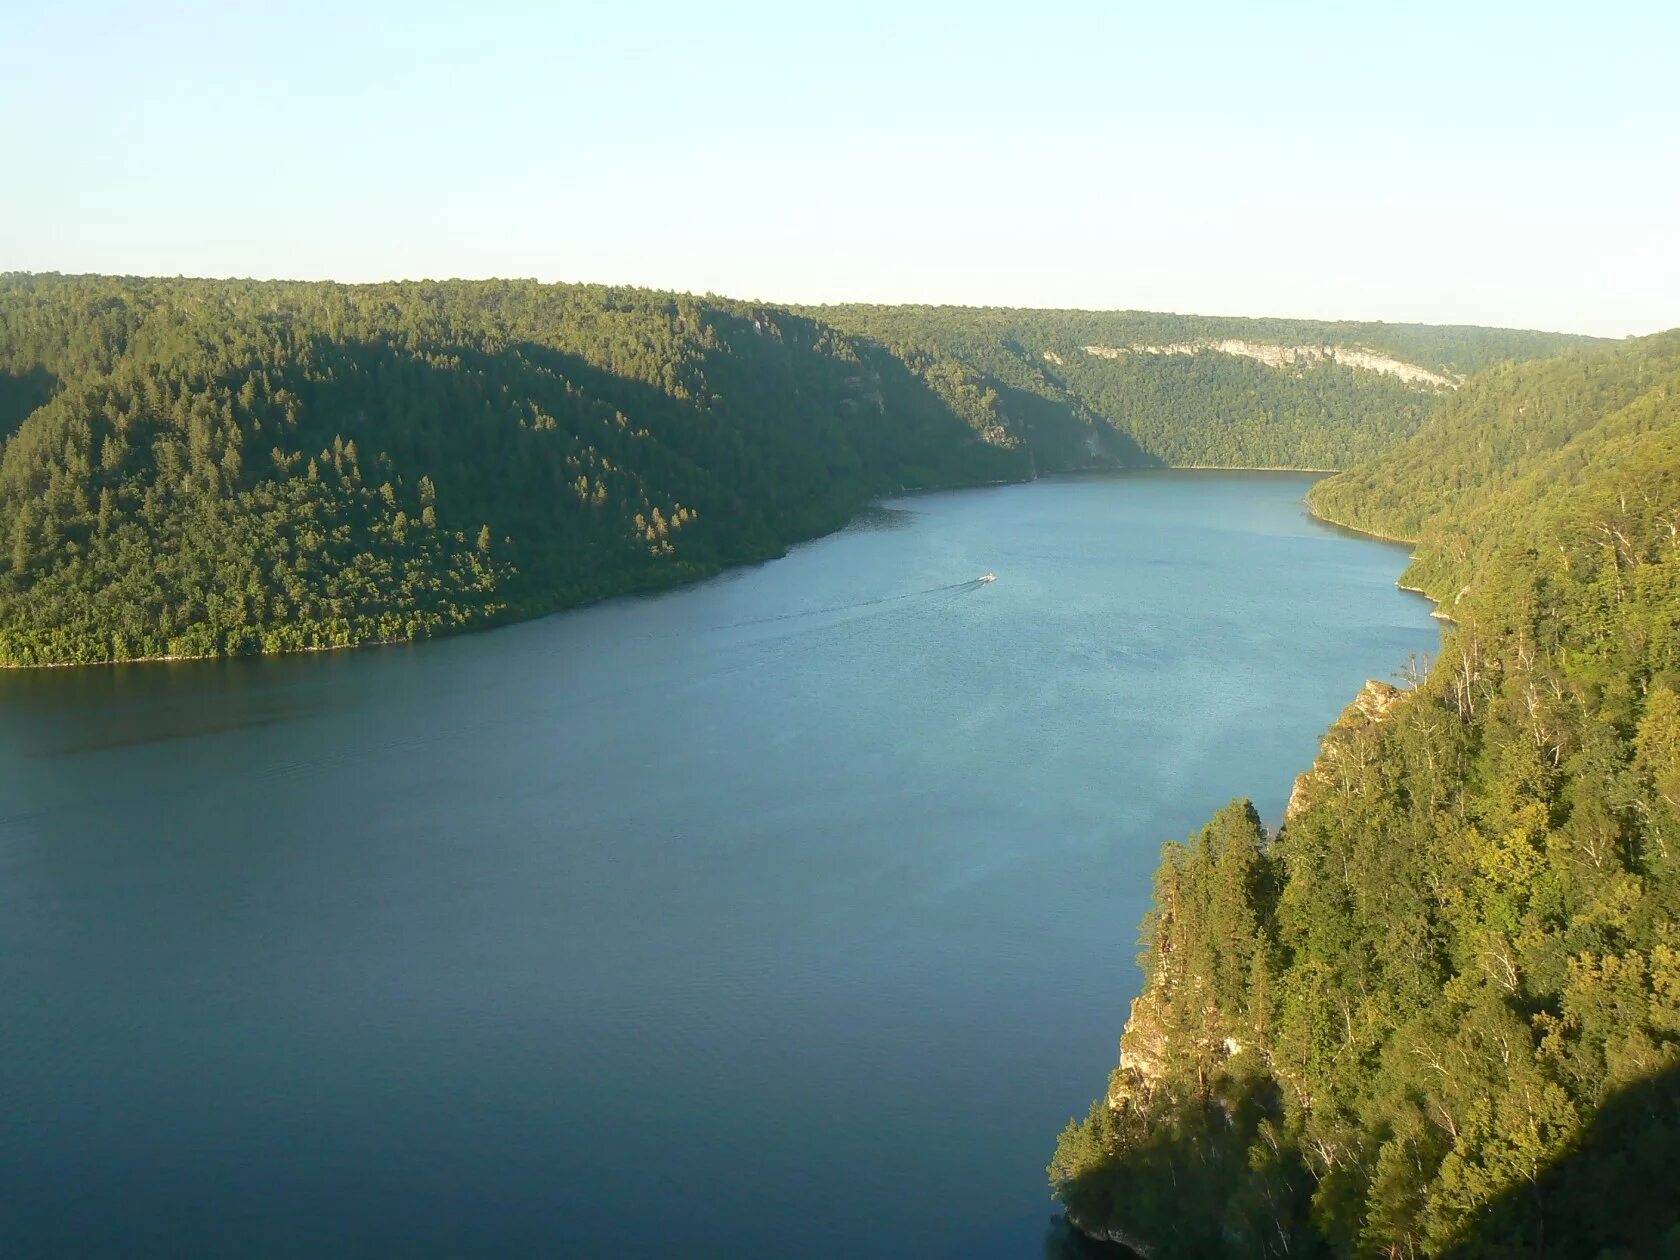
x: 763, y: 429
x: 882, y: 426
x: 1615, y: 1196
x: 1066, y: 438
x: 21, y: 393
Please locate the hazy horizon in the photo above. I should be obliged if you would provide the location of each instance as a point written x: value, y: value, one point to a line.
x: 1497, y: 167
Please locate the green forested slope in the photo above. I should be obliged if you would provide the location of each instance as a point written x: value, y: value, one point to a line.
x: 1508, y: 447
x: 1439, y: 1012
x: 229, y: 466
x: 199, y: 467
x: 1208, y: 408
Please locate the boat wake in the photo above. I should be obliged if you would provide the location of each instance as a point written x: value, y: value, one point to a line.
x: 972, y: 584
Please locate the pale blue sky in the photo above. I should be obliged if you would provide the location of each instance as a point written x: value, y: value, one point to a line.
x: 1478, y: 162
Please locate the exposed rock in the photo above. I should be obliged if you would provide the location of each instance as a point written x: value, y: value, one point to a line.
x: 1143, y: 1049
x: 1343, y: 740
x: 1050, y: 356
x: 1109, y: 1234
x: 1279, y: 356
x: 866, y: 387
x: 1145, y: 1045
x: 1154, y: 1036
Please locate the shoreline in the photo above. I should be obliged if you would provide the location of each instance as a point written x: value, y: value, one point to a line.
x: 1433, y: 612
x: 219, y: 656
x: 690, y: 579
x: 1437, y: 611
x: 1282, y: 468
x: 1356, y: 529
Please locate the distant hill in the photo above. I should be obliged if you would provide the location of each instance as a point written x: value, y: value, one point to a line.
x: 1186, y: 389
x: 200, y: 467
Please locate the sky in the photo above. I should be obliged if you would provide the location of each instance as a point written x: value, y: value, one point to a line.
x: 1482, y: 162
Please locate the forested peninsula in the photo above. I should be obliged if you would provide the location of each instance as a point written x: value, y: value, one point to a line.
x: 1437, y: 1011
x: 207, y: 467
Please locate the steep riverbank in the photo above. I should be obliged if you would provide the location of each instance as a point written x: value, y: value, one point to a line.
x: 1437, y: 1012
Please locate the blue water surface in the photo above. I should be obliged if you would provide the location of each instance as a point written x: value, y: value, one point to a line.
x: 792, y: 913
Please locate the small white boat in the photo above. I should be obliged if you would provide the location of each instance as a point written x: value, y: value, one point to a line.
x: 988, y: 577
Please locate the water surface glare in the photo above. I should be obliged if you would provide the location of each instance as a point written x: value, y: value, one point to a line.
x: 791, y: 913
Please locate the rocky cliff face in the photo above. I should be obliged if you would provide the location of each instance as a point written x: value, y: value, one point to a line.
x: 1280, y: 356
x: 1343, y: 741
x: 1186, y: 1049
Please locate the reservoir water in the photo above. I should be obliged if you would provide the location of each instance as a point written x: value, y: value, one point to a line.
x: 792, y: 913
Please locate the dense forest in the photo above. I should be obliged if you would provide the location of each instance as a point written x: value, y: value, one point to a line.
x: 1184, y: 409
x: 220, y: 467
x: 1437, y: 1011
x: 196, y: 467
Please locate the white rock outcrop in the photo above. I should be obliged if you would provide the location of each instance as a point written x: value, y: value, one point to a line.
x: 1279, y: 356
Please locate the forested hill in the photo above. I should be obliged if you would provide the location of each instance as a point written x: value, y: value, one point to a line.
x: 1514, y: 438
x: 1191, y: 390
x: 1438, y: 1013
x: 231, y: 466
x: 197, y: 467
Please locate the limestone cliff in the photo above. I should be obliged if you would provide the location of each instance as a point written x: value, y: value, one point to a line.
x: 1195, y: 1055
x: 1280, y: 356
x: 1345, y: 742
